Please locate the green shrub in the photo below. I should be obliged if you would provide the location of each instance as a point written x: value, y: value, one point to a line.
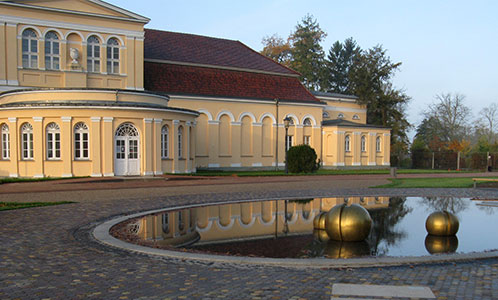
x: 302, y: 159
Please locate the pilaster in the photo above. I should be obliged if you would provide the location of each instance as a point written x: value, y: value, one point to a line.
x: 156, y: 154
x: 174, y: 146
x: 95, y: 146
x: 147, y: 147
x: 38, y: 147
x: 66, y: 147
x: 14, y: 147
x: 108, y: 147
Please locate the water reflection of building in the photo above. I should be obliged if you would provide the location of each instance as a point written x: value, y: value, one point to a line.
x: 243, y: 220
x: 174, y: 228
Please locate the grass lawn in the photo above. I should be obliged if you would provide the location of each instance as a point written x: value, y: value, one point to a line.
x: 464, y: 182
x: 320, y: 172
x: 27, y: 179
x: 19, y: 205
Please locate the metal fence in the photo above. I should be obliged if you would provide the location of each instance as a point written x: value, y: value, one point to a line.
x: 449, y: 160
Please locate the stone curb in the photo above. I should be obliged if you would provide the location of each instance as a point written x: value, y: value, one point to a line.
x: 101, y: 234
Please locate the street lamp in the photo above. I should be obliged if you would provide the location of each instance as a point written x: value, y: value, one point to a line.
x: 286, y: 126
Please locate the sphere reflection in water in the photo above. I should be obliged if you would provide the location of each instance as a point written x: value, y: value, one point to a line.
x: 442, y: 223
x: 319, y: 220
x: 340, y: 249
x: 348, y: 223
x: 441, y: 244
x: 320, y: 235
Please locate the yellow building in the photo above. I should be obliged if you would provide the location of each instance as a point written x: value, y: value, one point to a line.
x: 89, y: 92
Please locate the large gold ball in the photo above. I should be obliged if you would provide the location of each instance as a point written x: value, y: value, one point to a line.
x: 348, y: 223
x: 441, y: 244
x: 442, y: 223
x: 336, y: 249
x: 319, y: 220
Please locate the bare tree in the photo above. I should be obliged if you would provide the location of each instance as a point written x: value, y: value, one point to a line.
x: 488, y: 117
x: 451, y: 115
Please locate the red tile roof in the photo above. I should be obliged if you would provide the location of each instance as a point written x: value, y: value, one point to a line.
x: 192, y: 80
x: 196, y: 49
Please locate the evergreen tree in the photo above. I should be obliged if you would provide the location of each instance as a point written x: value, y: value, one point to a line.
x: 340, y: 61
x: 307, y: 53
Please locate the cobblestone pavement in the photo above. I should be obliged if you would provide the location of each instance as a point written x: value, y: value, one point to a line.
x: 47, y: 252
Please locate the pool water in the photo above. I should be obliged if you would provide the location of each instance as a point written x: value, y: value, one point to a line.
x: 284, y: 228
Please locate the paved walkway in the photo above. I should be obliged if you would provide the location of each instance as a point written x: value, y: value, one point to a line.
x: 47, y: 252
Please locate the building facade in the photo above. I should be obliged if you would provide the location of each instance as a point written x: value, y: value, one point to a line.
x: 87, y: 91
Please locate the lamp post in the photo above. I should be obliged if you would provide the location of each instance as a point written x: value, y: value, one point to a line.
x: 286, y: 126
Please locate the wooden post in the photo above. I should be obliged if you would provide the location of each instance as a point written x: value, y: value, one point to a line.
x: 433, y: 160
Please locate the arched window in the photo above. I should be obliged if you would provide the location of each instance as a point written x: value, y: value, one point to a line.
x: 363, y: 144
x: 29, y: 49
x: 180, y: 142
x: 347, y: 143
x: 93, y: 54
x: 377, y: 144
x: 27, y: 141
x: 307, y: 131
x: 113, y: 56
x: 356, y: 117
x: 326, y: 115
x: 81, y: 141
x: 165, y: 222
x: 5, y: 142
x: 53, y: 141
x: 181, y: 221
x: 340, y: 116
x: 52, y: 51
x: 165, y: 142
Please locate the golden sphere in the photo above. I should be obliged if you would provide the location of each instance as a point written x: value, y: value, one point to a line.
x: 319, y: 220
x: 441, y: 244
x: 336, y: 249
x: 320, y: 235
x: 442, y: 223
x: 350, y: 223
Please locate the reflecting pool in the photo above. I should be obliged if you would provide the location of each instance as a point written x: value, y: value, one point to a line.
x: 284, y: 228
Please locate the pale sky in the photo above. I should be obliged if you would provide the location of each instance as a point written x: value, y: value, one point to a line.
x: 444, y: 46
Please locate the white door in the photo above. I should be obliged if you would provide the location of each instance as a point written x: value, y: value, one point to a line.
x: 127, y: 153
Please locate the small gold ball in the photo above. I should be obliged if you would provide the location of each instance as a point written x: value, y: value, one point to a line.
x: 441, y: 244
x: 350, y: 223
x: 442, y: 223
x: 320, y: 235
x: 319, y: 220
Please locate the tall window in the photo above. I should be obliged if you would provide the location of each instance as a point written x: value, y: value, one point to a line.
x: 180, y: 142
x: 307, y: 140
x: 53, y: 141
x: 93, y: 54
x: 27, y: 141
x: 80, y: 141
x: 5, y: 142
x: 29, y: 49
x: 288, y: 142
x: 347, y: 143
x: 52, y: 52
x: 377, y: 144
x: 113, y: 56
x: 165, y: 141
x: 363, y: 144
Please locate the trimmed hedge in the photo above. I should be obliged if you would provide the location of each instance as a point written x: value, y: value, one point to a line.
x: 302, y: 159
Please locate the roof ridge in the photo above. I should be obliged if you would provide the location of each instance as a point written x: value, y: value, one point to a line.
x: 267, y: 58
x: 192, y: 34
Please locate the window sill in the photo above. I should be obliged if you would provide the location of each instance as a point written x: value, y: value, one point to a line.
x: 166, y: 158
x: 82, y: 159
